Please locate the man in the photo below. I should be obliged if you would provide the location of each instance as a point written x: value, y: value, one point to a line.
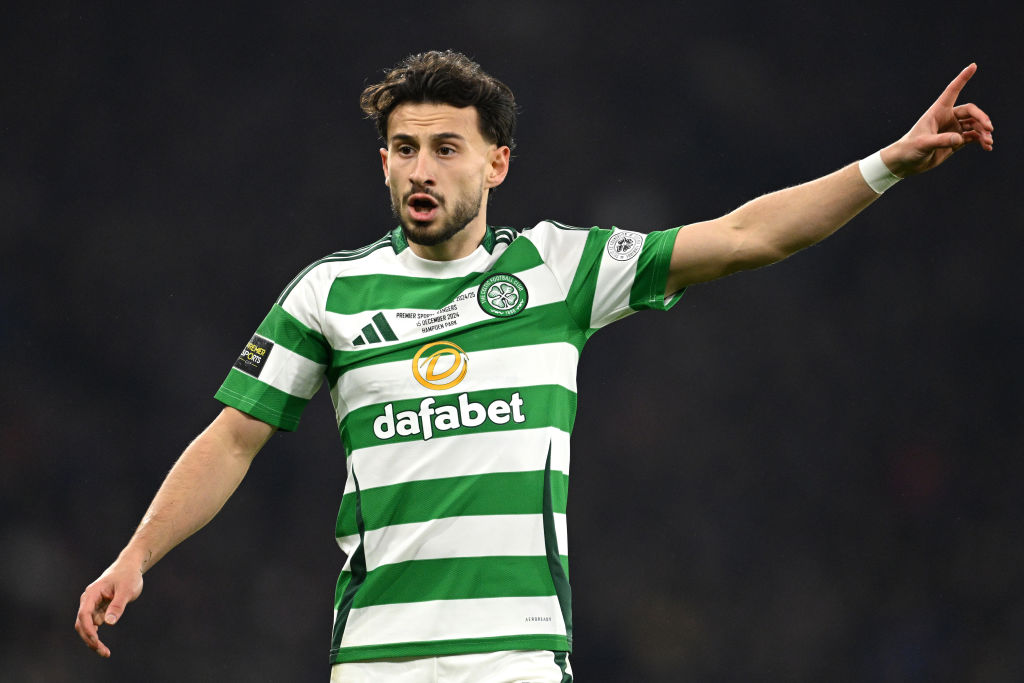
x: 450, y: 350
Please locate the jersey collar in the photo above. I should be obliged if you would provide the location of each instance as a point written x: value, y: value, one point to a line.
x: 400, y: 244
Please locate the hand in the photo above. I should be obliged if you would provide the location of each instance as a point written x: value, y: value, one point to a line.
x: 104, y: 600
x: 944, y: 128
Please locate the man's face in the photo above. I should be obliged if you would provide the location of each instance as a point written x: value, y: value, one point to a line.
x: 438, y: 166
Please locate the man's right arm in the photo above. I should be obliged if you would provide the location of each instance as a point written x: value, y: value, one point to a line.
x: 778, y: 224
x: 196, y: 488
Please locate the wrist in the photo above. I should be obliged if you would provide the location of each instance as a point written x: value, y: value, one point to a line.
x: 876, y: 173
x: 135, y: 558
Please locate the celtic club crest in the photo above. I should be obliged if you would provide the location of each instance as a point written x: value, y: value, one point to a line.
x: 502, y: 295
x: 624, y: 245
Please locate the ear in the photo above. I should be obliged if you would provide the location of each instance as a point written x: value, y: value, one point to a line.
x: 498, y: 161
x: 384, y: 163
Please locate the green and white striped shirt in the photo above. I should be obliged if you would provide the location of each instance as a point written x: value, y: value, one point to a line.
x: 454, y: 385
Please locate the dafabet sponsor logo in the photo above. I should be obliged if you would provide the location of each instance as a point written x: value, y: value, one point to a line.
x: 439, y: 366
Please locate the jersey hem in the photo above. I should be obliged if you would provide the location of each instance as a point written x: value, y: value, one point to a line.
x: 252, y: 408
x: 657, y: 300
x: 464, y: 646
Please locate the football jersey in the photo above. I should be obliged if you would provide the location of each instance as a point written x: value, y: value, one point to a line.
x: 454, y: 387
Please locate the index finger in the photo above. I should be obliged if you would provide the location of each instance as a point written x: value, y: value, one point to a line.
x: 952, y: 90
x: 87, y: 629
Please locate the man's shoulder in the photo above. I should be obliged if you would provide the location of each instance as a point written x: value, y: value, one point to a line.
x: 341, y: 263
x: 552, y: 237
x: 353, y: 255
x: 548, y: 225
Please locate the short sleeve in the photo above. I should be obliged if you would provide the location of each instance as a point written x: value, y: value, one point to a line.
x: 621, y: 272
x: 278, y: 371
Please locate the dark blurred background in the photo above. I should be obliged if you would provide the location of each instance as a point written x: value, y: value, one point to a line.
x: 809, y: 472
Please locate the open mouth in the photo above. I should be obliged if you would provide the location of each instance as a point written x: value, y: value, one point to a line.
x: 422, y: 207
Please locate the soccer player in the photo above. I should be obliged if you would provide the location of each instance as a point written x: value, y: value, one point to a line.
x: 449, y: 348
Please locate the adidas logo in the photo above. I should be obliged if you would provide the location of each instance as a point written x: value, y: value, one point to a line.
x: 377, y: 330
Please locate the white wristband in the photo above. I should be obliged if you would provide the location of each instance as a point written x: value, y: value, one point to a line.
x: 876, y: 173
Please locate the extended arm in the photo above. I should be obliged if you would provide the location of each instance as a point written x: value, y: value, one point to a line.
x: 196, y: 488
x: 776, y: 225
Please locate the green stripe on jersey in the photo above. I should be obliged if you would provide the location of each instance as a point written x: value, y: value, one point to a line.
x: 283, y: 328
x: 457, y: 578
x: 580, y: 298
x: 501, y: 493
x: 358, y: 293
x: 261, y: 400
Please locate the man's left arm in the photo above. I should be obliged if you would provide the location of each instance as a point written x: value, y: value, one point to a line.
x: 771, y: 227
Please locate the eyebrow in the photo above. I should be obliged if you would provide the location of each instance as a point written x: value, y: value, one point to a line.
x: 405, y: 137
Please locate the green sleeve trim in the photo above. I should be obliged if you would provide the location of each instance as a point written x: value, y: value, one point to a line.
x: 648, y: 291
x: 262, y: 401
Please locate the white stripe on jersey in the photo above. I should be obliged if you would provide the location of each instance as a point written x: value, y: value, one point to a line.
x: 511, y: 367
x: 561, y: 249
x: 292, y: 373
x: 471, y: 454
x: 614, y: 282
x: 473, y: 536
x: 452, y: 619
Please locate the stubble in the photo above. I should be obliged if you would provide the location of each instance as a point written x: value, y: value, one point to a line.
x: 464, y: 210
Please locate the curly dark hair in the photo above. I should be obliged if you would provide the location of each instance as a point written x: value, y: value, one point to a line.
x: 445, y: 78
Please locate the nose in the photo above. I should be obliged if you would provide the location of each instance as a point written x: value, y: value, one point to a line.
x: 422, y: 170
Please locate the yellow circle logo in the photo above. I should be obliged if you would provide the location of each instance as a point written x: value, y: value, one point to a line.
x: 440, y: 365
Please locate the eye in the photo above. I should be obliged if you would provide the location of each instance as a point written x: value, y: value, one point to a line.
x: 445, y: 150
x: 405, y: 150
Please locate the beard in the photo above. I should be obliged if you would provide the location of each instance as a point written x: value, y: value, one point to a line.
x: 465, y: 209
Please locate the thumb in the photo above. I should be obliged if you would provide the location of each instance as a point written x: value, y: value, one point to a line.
x: 116, y: 608
x: 940, y: 141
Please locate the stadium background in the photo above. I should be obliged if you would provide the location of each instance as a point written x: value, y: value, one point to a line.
x: 809, y: 472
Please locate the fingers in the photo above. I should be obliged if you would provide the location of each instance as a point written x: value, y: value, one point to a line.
x: 90, y: 610
x: 952, y: 91
x: 104, y: 601
x: 975, y: 124
x: 972, y: 111
x: 980, y: 136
